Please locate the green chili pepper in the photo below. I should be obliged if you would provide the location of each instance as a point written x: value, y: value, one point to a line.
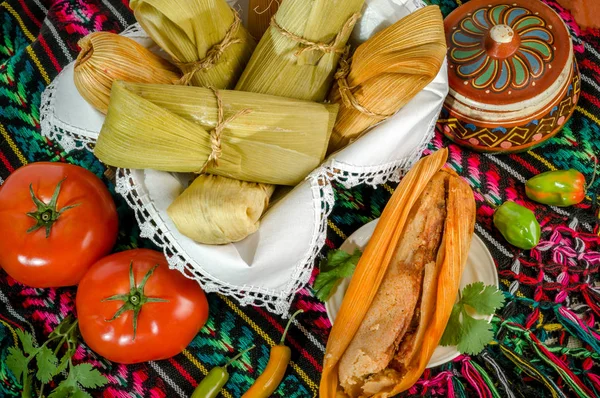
x: 518, y: 225
x: 558, y: 188
x: 214, y: 381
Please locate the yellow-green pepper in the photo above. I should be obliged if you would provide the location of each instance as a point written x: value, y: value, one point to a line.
x: 518, y: 225
x: 558, y: 188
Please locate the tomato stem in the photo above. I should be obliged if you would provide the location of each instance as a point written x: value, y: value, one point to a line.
x: 135, y: 299
x: 46, y: 214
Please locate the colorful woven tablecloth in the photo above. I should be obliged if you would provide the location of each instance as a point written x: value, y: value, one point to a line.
x: 547, y: 339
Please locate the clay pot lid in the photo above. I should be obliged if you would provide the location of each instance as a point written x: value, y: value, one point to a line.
x: 505, y: 52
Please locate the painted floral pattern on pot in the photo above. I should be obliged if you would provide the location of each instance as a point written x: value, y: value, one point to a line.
x: 502, y: 47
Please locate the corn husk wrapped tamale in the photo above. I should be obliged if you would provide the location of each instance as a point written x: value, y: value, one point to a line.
x: 282, y: 65
x: 205, y: 37
x: 106, y: 57
x: 386, y: 72
x: 172, y: 128
x: 260, y: 13
x: 217, y: 210
x: 385, y: 251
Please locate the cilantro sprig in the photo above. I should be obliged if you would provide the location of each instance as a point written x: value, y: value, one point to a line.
x: 336, y: 266
x: 469, y: 334
x: 48, y: 365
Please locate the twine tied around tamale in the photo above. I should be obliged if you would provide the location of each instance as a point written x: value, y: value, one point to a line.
x: 215, y: 134
x: 331, y: 47
x: 348, y: 98
x: 213, y: 55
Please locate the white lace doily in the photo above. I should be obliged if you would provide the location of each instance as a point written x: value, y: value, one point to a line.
x: 384, y: 154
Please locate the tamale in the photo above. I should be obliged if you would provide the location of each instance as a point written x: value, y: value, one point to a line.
x: 217, y: 210
x: 260, y: 138
x: 386, y: 72
x: 204, y: 37
x: 298, y: 54
x: 106, y: 57
x: 377, y: 259
x: 260, y: 13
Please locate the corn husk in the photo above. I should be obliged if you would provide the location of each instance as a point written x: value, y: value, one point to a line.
x: 168, y: 128
x: 106, y: 57
x: 380, y: 252
x: 189, y: 29
x: 387, y: 71
x: 260, y: 13
x: 277, y: 68
x: 217, y: 210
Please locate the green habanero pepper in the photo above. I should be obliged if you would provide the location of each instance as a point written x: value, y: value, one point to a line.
x: 557, y: 188
x: 214, y: 381
x: 518, y: 225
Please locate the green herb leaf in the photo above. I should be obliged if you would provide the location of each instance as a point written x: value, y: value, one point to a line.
x: 62, y: 391
x: 16, y: 362
x: 47, y: 364
x: 26, y: 341
x: 87, y: 376
x: 469, y: 334
x: 452, y: 333
x: 483, y: 299
x: 475, y: 335
x: 78, y: 393
x: 337, y: 266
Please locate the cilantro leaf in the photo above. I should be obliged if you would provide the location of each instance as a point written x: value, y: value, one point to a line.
x: 452, y: 333
x: 337, y: 266
x: 16, y: 362
x: 26, y: 341
x: 469, y: 334
x: 483, y: 299
x: 475, y: 335
x: 62, y: 391
x: 78, y: 393
x: 87, y: 376
x: 47, y: 364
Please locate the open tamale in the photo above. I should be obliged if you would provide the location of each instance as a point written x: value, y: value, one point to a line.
x: 298, y: 54
x: 401, y: 295
x: 245, y: 136
x: 106, y: 57
x: 216, y: 210
x: 204, y: 37
x: 386, y: 72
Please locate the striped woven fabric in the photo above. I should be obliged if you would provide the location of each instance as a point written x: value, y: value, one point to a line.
x: 547, y: 341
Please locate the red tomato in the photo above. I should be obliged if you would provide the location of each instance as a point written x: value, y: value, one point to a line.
x: 172, y: 308
x: 81, y: 227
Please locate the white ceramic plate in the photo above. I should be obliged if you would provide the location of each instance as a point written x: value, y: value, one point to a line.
x: 480, y: 268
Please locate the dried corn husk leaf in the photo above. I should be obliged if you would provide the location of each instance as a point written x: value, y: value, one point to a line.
x: 379, y: 253
x: 217, y: 210
x: 106, y: 57
x: 168, y: 128
x: 260, y: 13
x: 387, y: 71
x: 278, y: 67
x: 192, y: 31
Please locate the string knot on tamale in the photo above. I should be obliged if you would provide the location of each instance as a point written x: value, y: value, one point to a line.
x: 348, y: 98
x: 386, y: 72
x: 204, y: 37
x: 215, y: 134
x: 334, y: 46
x: 168, y: 128
x: 298, y: 55
x: 213, y: 55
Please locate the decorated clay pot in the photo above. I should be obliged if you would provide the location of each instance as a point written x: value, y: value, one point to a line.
x: 514, y: 81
